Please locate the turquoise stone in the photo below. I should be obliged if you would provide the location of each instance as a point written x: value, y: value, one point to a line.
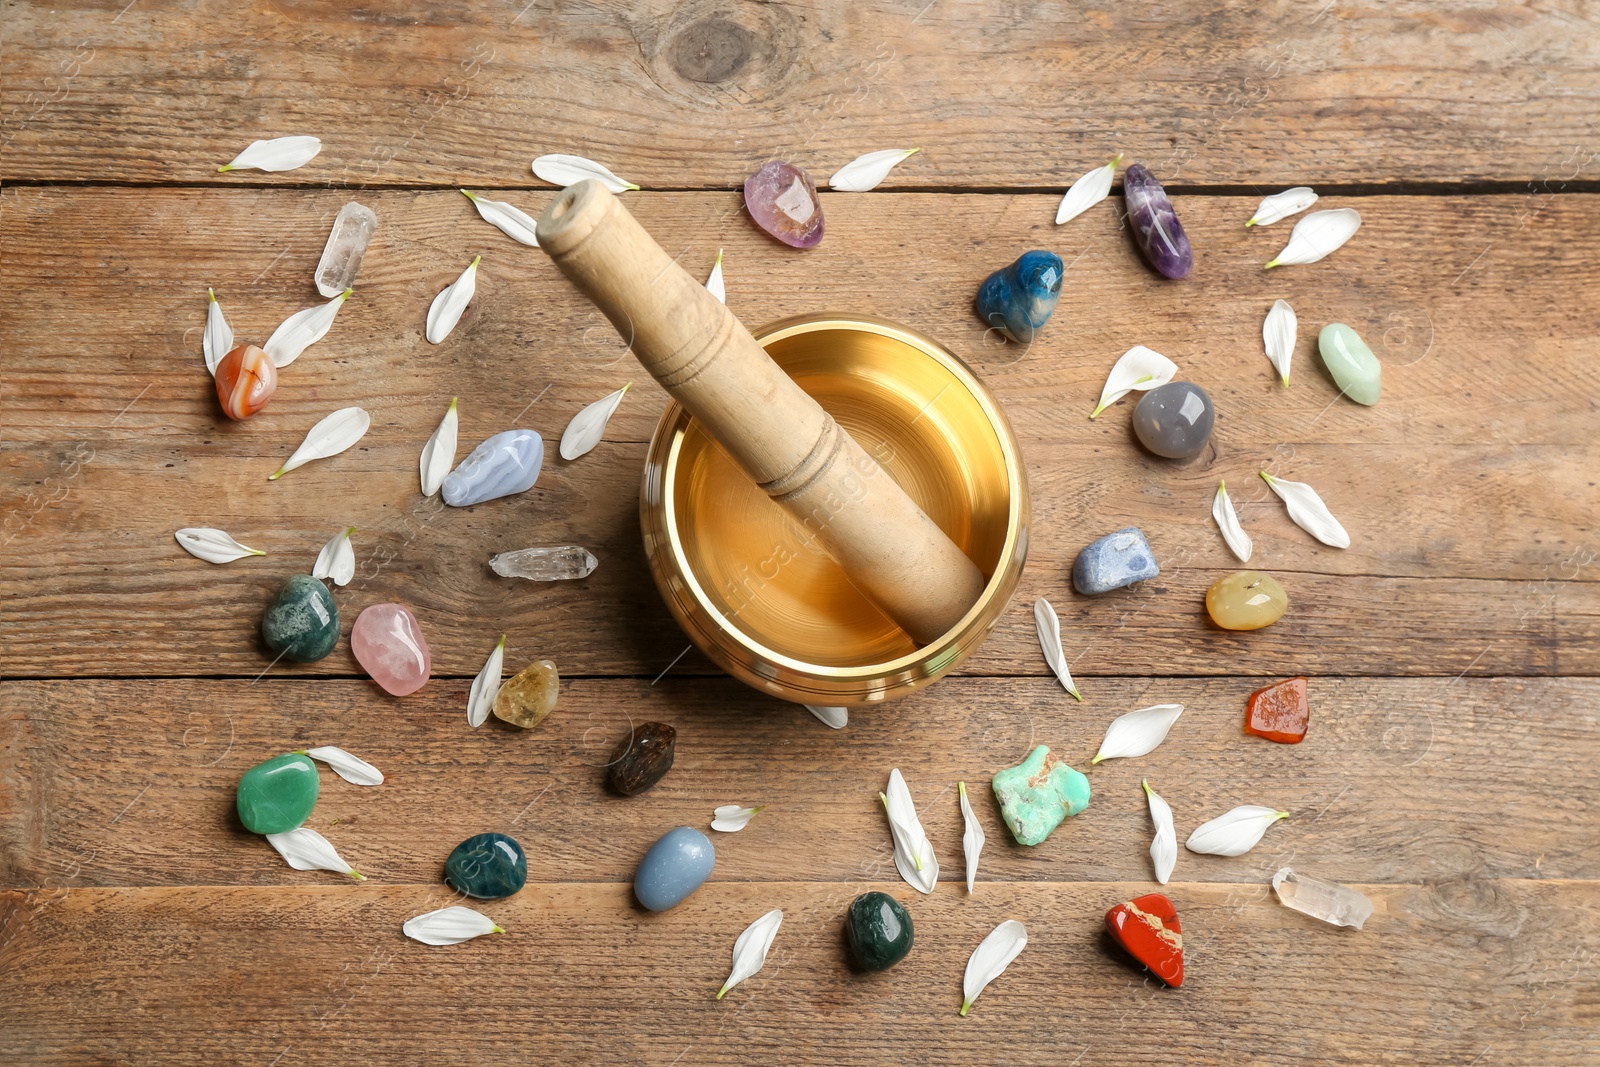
x: 1355, y: 370
x: 879, y: 930
x: 1038, y: 794
x: 1019, y: 299
x: 302, y: 624
x: 487, y: 866
x: 276, y: 796
x: 676, y: 865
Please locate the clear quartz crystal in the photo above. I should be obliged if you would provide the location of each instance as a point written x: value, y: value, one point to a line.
x: 545, y: 564
x: 1328, y: 901
x: 347, y: 244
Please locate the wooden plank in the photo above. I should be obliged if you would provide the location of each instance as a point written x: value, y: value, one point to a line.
x: 700, y: 94
x: 1469, y: 489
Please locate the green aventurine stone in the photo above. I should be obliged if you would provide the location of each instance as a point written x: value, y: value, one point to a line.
x: 879, y: 930
x: 1356, y: 371
x: 1036, y: 795
x: 278, y: 795
x: 302, y: 624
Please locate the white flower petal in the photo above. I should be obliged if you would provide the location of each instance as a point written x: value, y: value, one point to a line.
x: 913, y: 855
x: 280, y: 153
x: 450, y: 926
x: 1138, y: 732
x: 1048, y: 627
x: 589, y: 425
x: 1087, y: 191
x: 1282, y: 205
x: 446, y: 309
x: 513, y: 222
x: 1235, y: 832
x: 1318, y: 234
x: 1004, y: 943
x: 337, y: 560
x: 303, y: 329
x: 217, y: 341
x: 1309, y: 512
x: 865, y: 172
x: 1164, y: 849
x: 570, y: 170
x: 731, y: 818
x: 1228, y: 523
x: 837, y: 718
x: 327, y: 438
x: 972, y: 838
x: 1139, y: 368
x: 307, y: 850
x: 486, y: 686
x: 714, y: 284
x: 439, y: 454
x: 750, y: 950
x: 1278, y: 334
x: 213, y: 546
x: 352, y: 769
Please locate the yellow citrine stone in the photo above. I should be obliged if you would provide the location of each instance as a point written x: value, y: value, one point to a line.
x: 1246, y: 600
x: 529, y: 696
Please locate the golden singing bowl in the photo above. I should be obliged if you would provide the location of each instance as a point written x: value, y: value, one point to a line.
x: 747, y: 582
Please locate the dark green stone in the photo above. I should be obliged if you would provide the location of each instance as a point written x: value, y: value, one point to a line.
x: 879, y: 931
x: 276, y: 796
x: 302, y: 624
x: 487, y: 866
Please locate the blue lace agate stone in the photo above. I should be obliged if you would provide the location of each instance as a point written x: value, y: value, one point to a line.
x: 676, y: 865
x: 487, y: 866
x: 1116, y: 560
x: 1019, y: 299
x: 505, y: 464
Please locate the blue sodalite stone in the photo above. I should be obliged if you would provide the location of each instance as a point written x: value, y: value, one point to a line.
x: 487, y: 866
x: 1116, y: 560
x: 676, y: 865
x: 506, y: 463
x: 1019, y: 299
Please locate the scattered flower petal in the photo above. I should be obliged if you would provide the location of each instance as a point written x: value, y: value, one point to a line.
x: 570, y: 170
x: 327, y: 438
x: 303, y: 329
x: 731, y: 818
x: 1282, y: 205
x: 972, y: 838
x: 439, y: 454
x: 1087, y: 191
x: 513, y: 222
x: 1138, y: 732
x: 1164, y: 849
x: 1048, y: 627
x: 1278, y: 334
x: 1309, y: 512
x: 307, y: 850
x: 1228, y: 523
x: 1235, y: 832
x: 450, y: 926
x: 1139, y: 368
x: 589, y: 425
x: 337, y: 560
x: 837, y: 718
x: 486, y: 686
x: 213, y: 546
x: 217, y: 341
x: 1318, y: 234
x: 865, y: 172
x: 278, y: 154
x: 913, y: 856
x: 714, y: 284
x: 352, y: 769
x: 446, y: 309
x: 1004, y: 943
x: 750, y: 951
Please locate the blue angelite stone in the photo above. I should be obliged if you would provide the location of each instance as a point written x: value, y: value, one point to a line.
x: 487, y: 866
x: 1116, y: 560
x: 506, y: 463
x: 676, y: 865
x: 1019, y: 299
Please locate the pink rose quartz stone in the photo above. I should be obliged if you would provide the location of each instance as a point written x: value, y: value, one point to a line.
x: 783, y: 201
x: 390, y: 647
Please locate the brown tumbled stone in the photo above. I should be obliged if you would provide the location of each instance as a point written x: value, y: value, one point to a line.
x: 642, y: 759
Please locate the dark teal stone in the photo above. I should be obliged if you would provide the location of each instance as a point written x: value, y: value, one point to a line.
x: 676, y: 865
x: 1019, y: 299
x: 302, y: 624
x: 487, y: 866
x: 878, y: 928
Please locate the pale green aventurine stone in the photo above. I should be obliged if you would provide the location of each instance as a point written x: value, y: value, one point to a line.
x: 1037, y: 795
x: 1356, y: 371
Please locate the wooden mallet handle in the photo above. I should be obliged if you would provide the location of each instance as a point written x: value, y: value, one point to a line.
x: 780, y: 436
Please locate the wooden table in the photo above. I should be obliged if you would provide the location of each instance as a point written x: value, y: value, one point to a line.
x: 1453, y: 648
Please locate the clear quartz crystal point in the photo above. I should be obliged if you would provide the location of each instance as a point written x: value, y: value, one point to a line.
x: 1328, y: 901
x: 545, y: 564
x: 347, y: 244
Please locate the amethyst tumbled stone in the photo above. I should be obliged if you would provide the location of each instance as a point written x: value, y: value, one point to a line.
x: 782, y: 200
x: 1155, y: 225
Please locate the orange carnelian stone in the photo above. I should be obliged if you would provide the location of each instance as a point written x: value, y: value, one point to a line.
x: 246, y: 380
x: 1279, y: 712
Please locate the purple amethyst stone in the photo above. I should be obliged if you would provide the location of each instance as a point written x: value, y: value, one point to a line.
x: 1155, y: 224
x: 783, y: 201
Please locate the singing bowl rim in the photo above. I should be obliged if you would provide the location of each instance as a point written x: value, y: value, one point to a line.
x: 778, y: 673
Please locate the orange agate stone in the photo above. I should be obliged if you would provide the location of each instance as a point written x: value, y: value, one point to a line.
x: 246, y: 380
x: 1279, y: 712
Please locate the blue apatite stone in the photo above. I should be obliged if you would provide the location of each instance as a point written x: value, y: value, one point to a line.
x: 1116, y: 560
x: 676, y: 865
x: 1019, y: 299
x: 506, y: 463
x: 487, y: 866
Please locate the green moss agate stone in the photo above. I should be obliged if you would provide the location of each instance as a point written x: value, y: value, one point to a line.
x: 487, y: 866
x: 302, y: 624
x: 276, y: 796
x: 878, y: 928
x: 1355, y: 370
x: 1038, y: 794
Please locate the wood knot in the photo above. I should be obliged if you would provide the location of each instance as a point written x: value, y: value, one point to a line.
x: 711, y: 50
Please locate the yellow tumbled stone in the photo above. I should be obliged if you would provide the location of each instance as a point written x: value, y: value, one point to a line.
x: 1246, y: 600
x: 529, y: 696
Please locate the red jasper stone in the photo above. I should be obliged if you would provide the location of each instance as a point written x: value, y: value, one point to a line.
x: 1279, y: 712
x: 1148, y: 928
x: 246, y: 380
